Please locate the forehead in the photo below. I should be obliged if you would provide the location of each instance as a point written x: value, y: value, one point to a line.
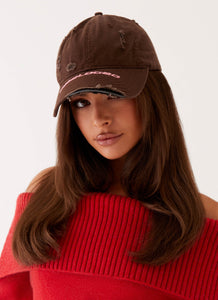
x: 81, y: 94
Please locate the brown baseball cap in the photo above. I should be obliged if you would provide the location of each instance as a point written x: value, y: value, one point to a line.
x: 105, y: 53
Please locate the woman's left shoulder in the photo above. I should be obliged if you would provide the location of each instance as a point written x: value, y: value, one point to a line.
x: 211, y: 207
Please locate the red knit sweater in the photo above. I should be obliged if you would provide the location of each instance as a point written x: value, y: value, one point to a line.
x: 95, y: 265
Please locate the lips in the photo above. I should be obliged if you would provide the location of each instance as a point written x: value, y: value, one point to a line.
x: 105, y: 139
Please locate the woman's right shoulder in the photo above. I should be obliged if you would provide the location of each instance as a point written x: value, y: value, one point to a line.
x: 36, y: 180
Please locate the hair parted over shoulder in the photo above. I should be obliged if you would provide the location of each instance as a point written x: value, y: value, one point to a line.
x: 157, y: 172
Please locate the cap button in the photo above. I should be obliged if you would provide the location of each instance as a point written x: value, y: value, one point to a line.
x: 98, y: 14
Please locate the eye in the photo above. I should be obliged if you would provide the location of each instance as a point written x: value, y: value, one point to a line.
x: 80, y: 103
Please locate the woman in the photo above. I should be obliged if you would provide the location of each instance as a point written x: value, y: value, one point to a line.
x: 120, y: 215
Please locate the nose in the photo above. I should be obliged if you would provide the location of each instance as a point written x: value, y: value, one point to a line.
x: 101, y: 115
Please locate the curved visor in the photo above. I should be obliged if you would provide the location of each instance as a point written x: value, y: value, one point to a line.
x: 96, y: 91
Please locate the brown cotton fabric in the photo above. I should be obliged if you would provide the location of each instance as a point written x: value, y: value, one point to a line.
x: 105, y: 52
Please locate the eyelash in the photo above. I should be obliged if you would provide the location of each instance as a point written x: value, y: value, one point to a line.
x: 75, y: 103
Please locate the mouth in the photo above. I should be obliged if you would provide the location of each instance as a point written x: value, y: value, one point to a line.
x: 106, y: 139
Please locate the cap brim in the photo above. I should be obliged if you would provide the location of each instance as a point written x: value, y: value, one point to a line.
x: 128, y: 82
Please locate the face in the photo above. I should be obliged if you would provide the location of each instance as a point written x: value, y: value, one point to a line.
x: 111, y: 126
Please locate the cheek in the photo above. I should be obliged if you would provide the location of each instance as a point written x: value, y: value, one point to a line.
x: 136, y: 130
x: 139, y: 125
x: 83, y: 124
x: 78, y: 119
x: 134, y: 120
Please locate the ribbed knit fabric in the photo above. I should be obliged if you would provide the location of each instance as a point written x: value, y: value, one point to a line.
x: 94, y: 262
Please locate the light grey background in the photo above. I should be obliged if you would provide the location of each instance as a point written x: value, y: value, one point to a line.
x: 184, y: 34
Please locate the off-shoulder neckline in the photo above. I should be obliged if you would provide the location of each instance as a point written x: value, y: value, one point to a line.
x: 107, y: 195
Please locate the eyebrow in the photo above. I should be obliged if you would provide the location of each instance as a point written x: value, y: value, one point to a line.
x: 79, y: 94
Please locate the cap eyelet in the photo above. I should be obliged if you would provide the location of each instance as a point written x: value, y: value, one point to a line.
x: 71, y: 66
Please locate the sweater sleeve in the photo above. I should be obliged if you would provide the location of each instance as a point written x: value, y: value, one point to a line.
x: 14, y: 278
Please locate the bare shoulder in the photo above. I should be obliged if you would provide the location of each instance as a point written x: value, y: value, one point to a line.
x: 34, y: 183
x: 211, y: 207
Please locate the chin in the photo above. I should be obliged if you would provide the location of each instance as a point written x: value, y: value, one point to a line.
x: 114, y: 156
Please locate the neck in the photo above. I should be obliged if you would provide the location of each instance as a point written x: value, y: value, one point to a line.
x: 116, y: 187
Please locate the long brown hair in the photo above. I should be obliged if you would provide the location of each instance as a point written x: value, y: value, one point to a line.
x: 157, y: 172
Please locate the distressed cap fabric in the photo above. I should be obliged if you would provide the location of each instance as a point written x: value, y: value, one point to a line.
x: 105, y: 52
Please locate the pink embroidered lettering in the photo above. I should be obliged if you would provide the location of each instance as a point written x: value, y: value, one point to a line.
x: 90, y: 73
